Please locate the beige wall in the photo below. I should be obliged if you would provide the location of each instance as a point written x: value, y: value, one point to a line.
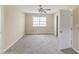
x: 32, y: 30
x: 1, y: 28
x: 76, y: 29
x: 14, y: 25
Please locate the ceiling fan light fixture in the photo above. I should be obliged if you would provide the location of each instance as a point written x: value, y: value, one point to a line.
x: 42, y: 10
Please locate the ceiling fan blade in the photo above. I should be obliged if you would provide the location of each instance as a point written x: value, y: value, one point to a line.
x: 45, y: 12
x: 47, y: 9
x: 41, y: 9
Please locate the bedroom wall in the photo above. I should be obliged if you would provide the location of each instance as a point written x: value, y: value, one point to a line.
x: 1, y: 29
x: 14, y: 23
x: 29, y: 29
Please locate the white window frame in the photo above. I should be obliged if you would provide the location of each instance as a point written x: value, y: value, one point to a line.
x: 39, y: 22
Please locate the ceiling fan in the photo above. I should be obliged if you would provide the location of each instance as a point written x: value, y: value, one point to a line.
x: 42, y: 10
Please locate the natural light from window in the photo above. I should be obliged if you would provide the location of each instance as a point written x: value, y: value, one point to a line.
x: 39, y: 22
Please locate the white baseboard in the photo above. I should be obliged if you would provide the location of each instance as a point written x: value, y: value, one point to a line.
x: 39, y: 33
x: 12, y: 44
x: 75, y: 50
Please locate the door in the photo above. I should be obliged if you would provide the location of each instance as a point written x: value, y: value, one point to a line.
x: 65, y: 29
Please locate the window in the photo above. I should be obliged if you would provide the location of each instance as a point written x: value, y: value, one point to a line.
x: 39, y: 22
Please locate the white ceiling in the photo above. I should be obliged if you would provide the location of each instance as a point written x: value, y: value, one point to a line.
x: 54, y: 8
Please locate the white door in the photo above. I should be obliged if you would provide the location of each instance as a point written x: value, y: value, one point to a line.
x: 65, y: 29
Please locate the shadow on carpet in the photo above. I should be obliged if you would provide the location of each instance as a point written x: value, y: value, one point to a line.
x: 69, y: 51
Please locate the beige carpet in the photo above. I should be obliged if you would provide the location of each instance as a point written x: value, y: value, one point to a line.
x: 35, y: 44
